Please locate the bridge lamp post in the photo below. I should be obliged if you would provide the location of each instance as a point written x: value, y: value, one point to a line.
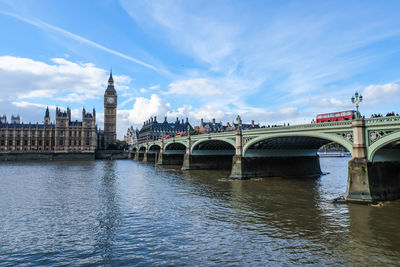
x: 357, y: 99
x: 238, y: 119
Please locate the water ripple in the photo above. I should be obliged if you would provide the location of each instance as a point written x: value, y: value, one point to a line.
x: 123, y: 213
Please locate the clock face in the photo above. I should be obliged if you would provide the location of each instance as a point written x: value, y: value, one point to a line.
x: 110, y: 100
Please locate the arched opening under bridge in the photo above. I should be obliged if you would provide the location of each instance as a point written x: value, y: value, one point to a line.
x: 210, y: 154
x: 141, y: 151
x: 173, y: 154
x: 286, y: 156
x: 152, y: 154
x: 384, y: 168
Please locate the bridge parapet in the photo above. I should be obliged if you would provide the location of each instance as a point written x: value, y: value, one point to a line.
x: 383, y: 120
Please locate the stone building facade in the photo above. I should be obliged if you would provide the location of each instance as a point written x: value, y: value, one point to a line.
x: 131, y: 137
x: 214, y: 127
x: 152, y: 130
x: 64, y: 135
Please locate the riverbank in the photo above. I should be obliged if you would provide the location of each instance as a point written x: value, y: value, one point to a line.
x: 49, y: 155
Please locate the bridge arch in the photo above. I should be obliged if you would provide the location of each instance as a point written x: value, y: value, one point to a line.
x: 313, y: 140
x: 142, y: 149
x: 217, y: 146
x: 174, y: 146
x: 382, y: 142
x: 154, y: 148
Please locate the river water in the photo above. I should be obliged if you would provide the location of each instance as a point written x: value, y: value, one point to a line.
x: 113, y: 213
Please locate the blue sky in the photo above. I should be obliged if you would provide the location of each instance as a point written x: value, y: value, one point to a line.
x: 271, y: 61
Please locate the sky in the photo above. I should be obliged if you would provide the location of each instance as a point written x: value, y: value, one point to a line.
x: 273, y: 62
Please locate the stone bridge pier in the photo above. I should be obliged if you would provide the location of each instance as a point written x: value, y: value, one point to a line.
x: 375, y: 179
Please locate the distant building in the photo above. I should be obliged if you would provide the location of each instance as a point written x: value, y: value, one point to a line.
x: 64, y: 135
x: 214, y: 127
x: 211, y: 127
x: 152, y: 130
x: 3, y: 119
x: 15, y: 119
x: 131, y: 137
x: 243, y: 126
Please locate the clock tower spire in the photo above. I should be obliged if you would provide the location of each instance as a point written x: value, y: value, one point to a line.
x: 110, y: 113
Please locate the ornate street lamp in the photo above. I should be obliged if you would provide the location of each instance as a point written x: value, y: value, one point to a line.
x: 238, y: 119
x: 357, y: 99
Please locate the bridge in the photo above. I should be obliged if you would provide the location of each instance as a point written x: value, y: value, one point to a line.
x: 291, y: 151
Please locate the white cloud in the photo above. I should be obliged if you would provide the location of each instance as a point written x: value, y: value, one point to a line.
x: 144, y: 108
x: 36, y: 94
x: 76, y: 114
x: 154, y: 87
x: 382, y: 94
x: 329, y: 103
x: 23, y: 104
x: 68, y: 81
x: 199, y: 86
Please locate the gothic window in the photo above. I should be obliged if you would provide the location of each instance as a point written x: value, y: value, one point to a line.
x: 10, y: 142
x: 88, y: 134
x: 2, y: 142
x: 33, y: 142
x: 26, y: 142
x: 18, y: 142
x: 87, y: 142
x: 47, y: 142
x: 61, y: 142
x: 40, y: 142
x: 62, y: 133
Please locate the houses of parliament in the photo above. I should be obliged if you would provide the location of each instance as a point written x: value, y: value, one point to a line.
x: 64, y: 135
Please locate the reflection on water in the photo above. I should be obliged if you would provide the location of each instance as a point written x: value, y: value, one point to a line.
x: 127, y: 213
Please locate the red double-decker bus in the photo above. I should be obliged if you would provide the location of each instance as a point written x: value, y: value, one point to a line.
x: 336, y: 116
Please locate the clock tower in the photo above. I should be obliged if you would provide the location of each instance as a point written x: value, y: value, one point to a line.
x: 110, y: 113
